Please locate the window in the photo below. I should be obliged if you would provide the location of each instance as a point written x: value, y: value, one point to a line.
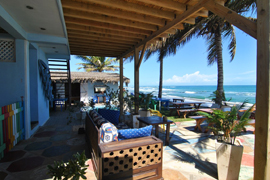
x: 7, y: 50
x: 100, y: 89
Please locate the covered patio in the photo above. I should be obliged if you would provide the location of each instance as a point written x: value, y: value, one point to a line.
x: 124, y: 28
x: 190, y: 155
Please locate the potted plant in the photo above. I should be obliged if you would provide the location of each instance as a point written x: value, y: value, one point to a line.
x: 226, y: 127
x: 144, y: 103
x: 74, y: 169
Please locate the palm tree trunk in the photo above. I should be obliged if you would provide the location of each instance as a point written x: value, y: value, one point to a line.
x: 160, y: 78
x: 220, y: 68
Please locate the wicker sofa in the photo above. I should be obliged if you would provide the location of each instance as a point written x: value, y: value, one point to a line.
x: 138, y: 158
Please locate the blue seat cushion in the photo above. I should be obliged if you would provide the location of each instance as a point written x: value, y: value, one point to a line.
x: 134, y: 133
x: 111, y: 115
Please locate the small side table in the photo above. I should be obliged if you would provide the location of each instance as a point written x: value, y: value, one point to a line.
x: 156, y: 121
x: 199, y: 121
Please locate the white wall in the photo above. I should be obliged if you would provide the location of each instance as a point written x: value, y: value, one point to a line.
x: 87, y: 90
x: 84, y: 92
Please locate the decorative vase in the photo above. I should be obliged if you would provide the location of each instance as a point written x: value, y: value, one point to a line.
x: 144, y: 113
x: 136, y: 123
x: 229, y: 159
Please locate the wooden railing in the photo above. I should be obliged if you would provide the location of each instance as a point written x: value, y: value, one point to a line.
x: 11, y: 126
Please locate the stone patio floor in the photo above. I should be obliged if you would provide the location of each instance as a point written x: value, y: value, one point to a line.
x: 190, y: 155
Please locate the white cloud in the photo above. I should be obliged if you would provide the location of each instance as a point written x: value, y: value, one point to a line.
x: 248, y: 72
x: 195, y: 78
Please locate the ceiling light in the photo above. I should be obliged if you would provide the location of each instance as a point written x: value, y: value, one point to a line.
x: 29, y: 7
x: 43, y: 29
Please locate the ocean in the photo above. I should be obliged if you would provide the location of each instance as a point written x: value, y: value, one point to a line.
x: 237, y: 93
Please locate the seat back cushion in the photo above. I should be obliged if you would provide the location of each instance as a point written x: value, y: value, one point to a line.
x: 108, y: 133
x: 134, y: 133
x: 110, y: 115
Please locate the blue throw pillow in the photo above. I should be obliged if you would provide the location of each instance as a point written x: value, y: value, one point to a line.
x: 110, y: 115
x: 134, y: 133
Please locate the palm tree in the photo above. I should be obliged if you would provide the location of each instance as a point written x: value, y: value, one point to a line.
x: 98, y: 64
x: 160, y: 47
x: 213, y: 28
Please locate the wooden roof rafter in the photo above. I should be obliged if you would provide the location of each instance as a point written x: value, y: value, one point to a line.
x: 123, y: 25
x: 120, y: 24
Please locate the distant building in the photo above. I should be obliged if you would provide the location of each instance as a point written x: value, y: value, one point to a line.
x: 85, y: 85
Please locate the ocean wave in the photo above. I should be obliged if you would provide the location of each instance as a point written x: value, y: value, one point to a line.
x: 165, y: 89
x: 189, y: 92
x: 241, y: 93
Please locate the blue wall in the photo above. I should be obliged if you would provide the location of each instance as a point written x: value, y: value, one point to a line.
x: 43, y: 108
x: 21, y: 78
x: 12, y: 77
x: 33, y: 83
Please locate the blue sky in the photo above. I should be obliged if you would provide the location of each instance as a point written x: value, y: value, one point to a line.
x: 189, y: 65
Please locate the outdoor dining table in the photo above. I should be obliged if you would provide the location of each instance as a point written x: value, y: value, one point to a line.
x: 156, y: 121
x: 178, y: 105
x: 178, y: 99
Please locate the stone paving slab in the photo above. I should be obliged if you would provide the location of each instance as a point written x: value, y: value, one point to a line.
x: 190, y: 155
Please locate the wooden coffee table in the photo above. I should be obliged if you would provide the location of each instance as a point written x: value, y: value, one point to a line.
x: 155, y: 121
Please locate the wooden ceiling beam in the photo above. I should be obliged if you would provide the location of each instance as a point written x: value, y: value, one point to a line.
x: 102, y: 31
x: 90, y: 52
x: 97, y: 50
x: 99, y: 39
x: 202, y: 13
x: 93, y: 54
x: 179, y: 26
x: 93, y: 41
x: 179, y: 19
x: 95, y: 45
x: 170, y: 31
x: 239, y: 21
x: 86, y: 38
x: 94, y: 8
x: 170, y: 4
x: 98, y: 43
x: 129, y: 6
x: 106, y: 26
x: 108, y: 19
x: 190, y: 21
x: 72, y: 34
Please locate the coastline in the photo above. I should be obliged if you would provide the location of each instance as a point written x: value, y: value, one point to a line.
x: 237, y: 93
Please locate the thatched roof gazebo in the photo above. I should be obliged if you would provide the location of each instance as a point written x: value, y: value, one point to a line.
x: 84, y: 77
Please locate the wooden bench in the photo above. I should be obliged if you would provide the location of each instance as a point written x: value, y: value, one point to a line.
x: 199, y: 121
x: 174, y: 109
x: 138, y: 158
x: 185, y: 111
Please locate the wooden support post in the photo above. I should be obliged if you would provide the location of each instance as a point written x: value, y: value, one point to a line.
x: 136, y: 78
x: 141, y: 56
x: 262, y: 127
x: 121, y: 87
x: 69, y: 84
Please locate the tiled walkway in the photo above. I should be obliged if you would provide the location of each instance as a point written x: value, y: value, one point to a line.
x: 190, y: 155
